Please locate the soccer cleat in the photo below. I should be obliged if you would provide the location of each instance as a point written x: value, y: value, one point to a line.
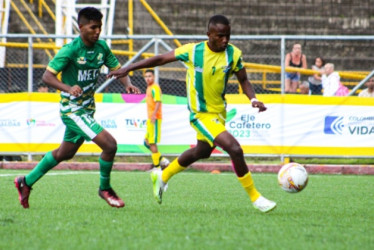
x: 264, y: 205
x: 111, y: 198
x: 164, y: 162
x: 158, y: 185
x: 23, y: 191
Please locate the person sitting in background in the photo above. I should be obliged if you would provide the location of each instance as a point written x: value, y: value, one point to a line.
x: 330, y: 80
x: 43, y: 88
x: 369, y: 91
x: 294, y: 59
x: 315, y: 83
x: 304, y: 88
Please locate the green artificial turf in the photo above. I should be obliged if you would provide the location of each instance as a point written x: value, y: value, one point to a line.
x: 199, y: 211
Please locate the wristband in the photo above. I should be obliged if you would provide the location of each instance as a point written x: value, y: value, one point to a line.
x: 254, y: 100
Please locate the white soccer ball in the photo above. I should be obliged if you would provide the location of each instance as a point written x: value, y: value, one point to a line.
x: 292, y: 177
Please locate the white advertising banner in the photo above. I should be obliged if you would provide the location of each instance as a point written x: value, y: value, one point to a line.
x: 284, y: 129
x: 303, y: 125
x: 127, y: 123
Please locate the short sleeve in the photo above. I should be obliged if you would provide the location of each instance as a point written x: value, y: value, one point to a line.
x: 156, y: 93
x: 61, y: 60
x: 182, y: 53
x: 110, y: 60
x: 239, y: 64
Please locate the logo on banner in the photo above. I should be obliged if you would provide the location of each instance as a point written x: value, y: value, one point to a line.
x: 9, y: 123
x: 352, y: 125
x: 241, y: 126
x: 39, y: 123
x: 333, y: 125
x: 135, y: 124
x: 109, y: 123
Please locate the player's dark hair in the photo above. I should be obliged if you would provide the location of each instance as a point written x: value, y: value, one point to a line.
x: 150, y: 70
x: 89, y: 13
x: 218, y: 19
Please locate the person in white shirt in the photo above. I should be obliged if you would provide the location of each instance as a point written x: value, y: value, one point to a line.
x: 369, y: 91
x: 330, y: 80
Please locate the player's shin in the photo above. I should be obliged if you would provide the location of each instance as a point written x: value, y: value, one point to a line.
x: 173, y: 168
x: 47, y: 163
x: 249, y: 186
x: 105, y: 169
x: 156, y: 159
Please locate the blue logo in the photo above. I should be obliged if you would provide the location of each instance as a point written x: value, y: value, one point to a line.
x: 109, y: 123
x: 333, y: 125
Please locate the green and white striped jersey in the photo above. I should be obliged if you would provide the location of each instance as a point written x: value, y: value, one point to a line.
x: 80, y: 65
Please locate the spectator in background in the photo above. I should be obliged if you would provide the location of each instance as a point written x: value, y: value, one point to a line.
x: 369, y: 91
x: 43, y: 88
x: 315, y: 83
x: 298, y: 60
x: 304, y: 88
x: 330, y: 80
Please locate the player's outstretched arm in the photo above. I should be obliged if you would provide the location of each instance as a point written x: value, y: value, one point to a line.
x: 51, y: 80
x: 248, y: 90
x: 146, y: 63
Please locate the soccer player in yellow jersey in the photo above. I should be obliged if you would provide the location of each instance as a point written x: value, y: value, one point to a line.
x: 210, y: 65
x: 154, y: 112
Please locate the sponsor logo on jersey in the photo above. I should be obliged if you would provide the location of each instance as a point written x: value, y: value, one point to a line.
x: 88, y: 74
x: 81, y: 60
x: 100, y: 58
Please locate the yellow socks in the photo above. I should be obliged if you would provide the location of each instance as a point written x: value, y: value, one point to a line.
x: 249, y: 186
x: 171, y: 170
x: 156, y: 159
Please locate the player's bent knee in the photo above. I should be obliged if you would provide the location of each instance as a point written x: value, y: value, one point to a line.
x: 235, y: 151
x: 111, y: 149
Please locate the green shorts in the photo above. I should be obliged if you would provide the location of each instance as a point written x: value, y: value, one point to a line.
x: 80, y: 127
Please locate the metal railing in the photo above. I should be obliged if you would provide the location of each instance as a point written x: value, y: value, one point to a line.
x: 268, y: 76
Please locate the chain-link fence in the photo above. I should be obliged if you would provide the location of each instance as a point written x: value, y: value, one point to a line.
x: 25, y: 57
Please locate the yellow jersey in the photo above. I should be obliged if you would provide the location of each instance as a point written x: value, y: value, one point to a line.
x: 208, y: 74
x: 153, y: 95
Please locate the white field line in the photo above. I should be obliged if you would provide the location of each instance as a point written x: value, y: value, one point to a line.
x: 146, y: 172
x: 57, y: 173
x: 96, y: 172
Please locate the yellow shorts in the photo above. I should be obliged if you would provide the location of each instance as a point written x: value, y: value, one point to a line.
x: 208, y: 125
x: 153, y: 134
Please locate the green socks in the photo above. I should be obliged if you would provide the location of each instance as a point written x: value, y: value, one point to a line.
x: 105, y: 169
x: 47, y: 163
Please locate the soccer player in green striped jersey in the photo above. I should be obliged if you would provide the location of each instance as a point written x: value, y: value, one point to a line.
x: 210, y: 65
x: 79, y: 63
